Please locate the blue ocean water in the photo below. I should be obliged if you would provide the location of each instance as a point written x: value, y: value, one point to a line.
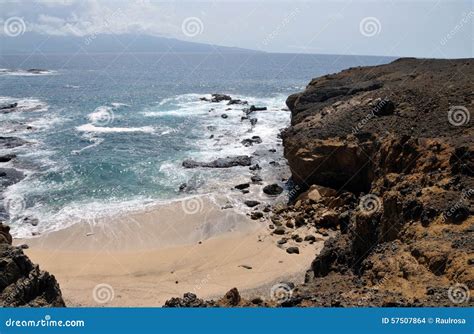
x: 108, y: 132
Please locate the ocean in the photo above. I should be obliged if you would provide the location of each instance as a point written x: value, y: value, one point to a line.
x: 107, y: 133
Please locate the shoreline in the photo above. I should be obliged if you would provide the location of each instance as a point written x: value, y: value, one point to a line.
x: 145, y: 260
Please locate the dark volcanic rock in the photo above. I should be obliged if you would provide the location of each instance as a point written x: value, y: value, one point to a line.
x: 11, y: 142
x: 240, y: 160
x: 21, y: 282
x: 11, y: 107
x: 293, y: 250
x: 242, y: 186
x: 256, y: 215
x: 217, y: 98
x: 7, y: 157
x: 385, y: 140
x: 251, y: 141
x: 273, y: 189
x: 236, y: 101
x: 251, y: 203
x: 254, y: 108
x: 256, y: 179
x: 189, y: 300
x: 9, y: 176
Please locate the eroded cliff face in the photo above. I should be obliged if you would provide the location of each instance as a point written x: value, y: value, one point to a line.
x: 22, y: 283
x: 384, y: 156
x: 399, y: 140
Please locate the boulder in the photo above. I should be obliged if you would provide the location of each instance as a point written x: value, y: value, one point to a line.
x: 7, y: 157
x: 316, y: 192
x: 217, y: 98
x: 250, y: 141
x: 256, y: 215
x: 293, y: 250
x: 273, y: 189
x: 242, y: 186
x: 254, y: 108
x: 236, y: 101
x: 251, y: 203
x: 256, y: 179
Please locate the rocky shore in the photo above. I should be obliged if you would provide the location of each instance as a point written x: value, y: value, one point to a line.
x: 22, y: 283
x: 382, y: 159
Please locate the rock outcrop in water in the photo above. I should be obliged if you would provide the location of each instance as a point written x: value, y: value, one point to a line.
x: 384, y: 157
x: 239, y: 160
x: 22, y: 283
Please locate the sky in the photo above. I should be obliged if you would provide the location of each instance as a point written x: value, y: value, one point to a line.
x: 422, y: 28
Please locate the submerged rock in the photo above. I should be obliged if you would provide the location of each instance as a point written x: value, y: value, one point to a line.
x: 273, y: 189
x: 233, y: 161
x: 217, y: 98
x: 11, y: 142
x: 250, y: 141
x: 7, y: 157
x: 254, y: 108
x: 251, y: 203
x: 236, y: 101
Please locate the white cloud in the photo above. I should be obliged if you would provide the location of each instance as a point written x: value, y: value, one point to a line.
x: 72, y: 17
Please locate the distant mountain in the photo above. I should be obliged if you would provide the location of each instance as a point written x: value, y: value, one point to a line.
x: 128, y: 43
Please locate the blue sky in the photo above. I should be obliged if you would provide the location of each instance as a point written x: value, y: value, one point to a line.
x: 441, y: 29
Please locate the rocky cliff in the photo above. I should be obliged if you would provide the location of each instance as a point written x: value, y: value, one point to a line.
x: 384, y: 156
x: 22, y: 283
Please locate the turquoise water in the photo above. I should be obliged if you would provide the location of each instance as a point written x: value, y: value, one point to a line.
x: 109, y: 132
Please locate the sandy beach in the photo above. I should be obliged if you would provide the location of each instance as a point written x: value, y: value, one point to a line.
x: 147, y: 257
